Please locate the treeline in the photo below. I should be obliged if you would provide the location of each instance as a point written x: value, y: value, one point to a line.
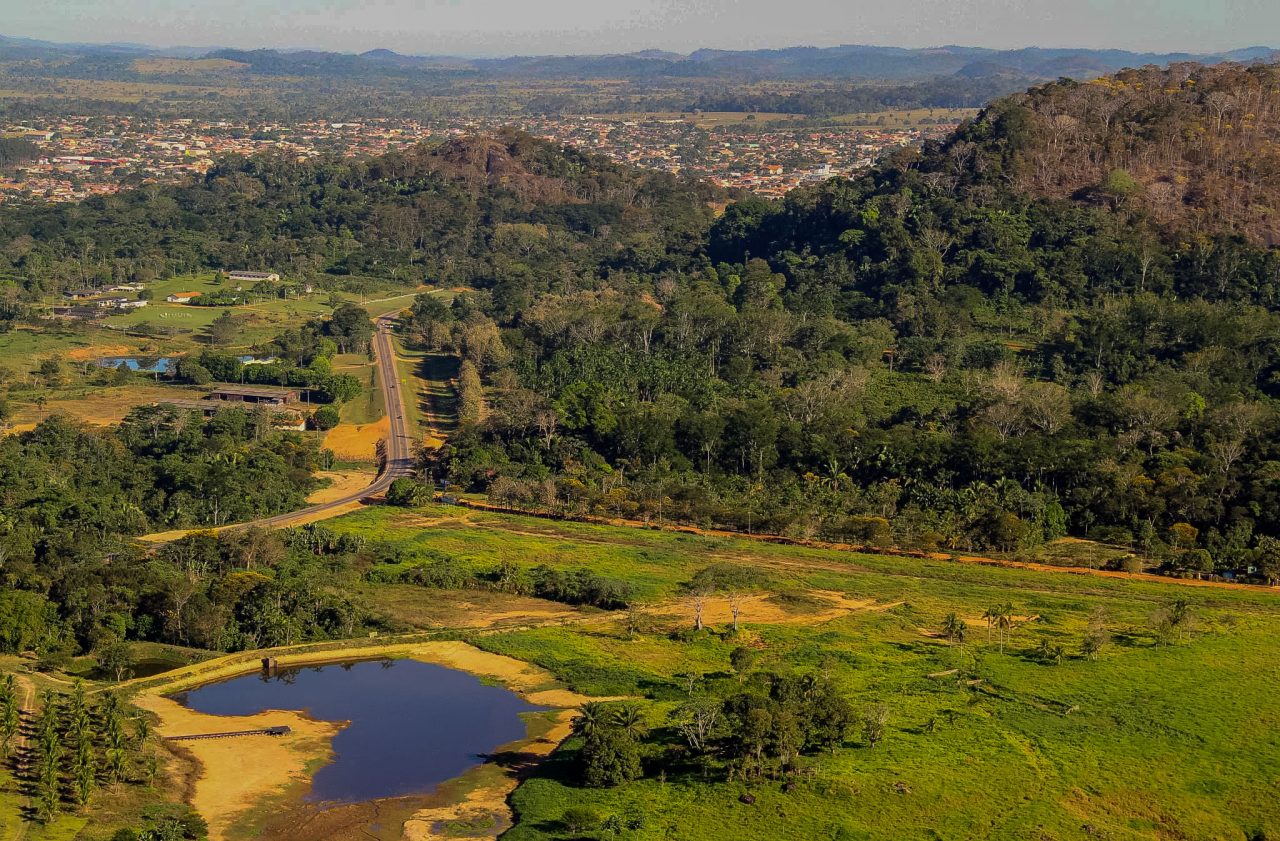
x: 64, y: 482
x: 762, y: 724
x: 824, y: 100
x: 225, y: 592
x: 72, y: 494
x: 441, y: 571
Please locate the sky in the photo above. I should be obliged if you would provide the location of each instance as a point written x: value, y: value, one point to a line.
x: 529, y: 27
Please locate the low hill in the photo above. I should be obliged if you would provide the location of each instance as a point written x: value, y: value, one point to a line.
x: 850, y: 61
x: 433, y: 210
x: 1194, y: 146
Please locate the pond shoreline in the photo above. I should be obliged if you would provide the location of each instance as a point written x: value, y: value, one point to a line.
x: 229, y: 799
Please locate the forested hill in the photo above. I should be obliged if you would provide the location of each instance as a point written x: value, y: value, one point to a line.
x: 464, y: 212
x: 1151, y: 180
x: 1193, y: 146
x: 943, y: 352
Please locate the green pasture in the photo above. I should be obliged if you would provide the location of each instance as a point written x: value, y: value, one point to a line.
x: 1153, y: 740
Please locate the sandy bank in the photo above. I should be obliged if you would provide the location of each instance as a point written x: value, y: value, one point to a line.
x: 236, y: 774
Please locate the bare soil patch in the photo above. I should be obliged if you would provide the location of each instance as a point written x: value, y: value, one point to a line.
x: 341, y: 483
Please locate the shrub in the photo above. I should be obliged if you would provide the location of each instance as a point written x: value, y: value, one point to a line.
x: 406, y: 492
x: 326, y: 417
x: 580, y: 819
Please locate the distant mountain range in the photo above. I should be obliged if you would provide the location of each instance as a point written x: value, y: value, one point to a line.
x: 861, y: 63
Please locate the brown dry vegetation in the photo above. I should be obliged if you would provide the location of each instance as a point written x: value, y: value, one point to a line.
x: 1203, y: 144
x: 356, y: 442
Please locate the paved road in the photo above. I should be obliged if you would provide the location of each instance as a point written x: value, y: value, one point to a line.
x: 399, y: 444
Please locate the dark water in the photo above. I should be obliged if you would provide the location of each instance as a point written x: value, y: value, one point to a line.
x: 149, y: 667
x: 413, y: 725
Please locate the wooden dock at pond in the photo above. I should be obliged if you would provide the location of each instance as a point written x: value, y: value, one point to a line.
x: 282, y: 730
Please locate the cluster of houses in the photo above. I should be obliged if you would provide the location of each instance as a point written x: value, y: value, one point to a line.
x: 95, y: 303
x: 95, y: 155
x: 89, y: 303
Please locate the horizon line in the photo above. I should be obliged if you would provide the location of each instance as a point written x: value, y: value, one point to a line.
x: 653, y: 49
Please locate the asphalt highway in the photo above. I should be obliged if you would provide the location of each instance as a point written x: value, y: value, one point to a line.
x: 399, y: 443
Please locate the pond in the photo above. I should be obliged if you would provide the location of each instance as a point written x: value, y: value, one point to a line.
x: 146, y: 364
x: 164, y: 364
x: 412, y: 725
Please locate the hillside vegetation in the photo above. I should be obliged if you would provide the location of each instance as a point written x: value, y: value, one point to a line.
x: 455, y: 212
x: 926, y: 356
x: 941, y: 354
x: 1195, y: 147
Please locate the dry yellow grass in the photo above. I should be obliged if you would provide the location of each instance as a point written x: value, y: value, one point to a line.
x: 357, y: 442
x: 106, y: 406
x: 342, y: 483
x: 85, y: 354
x: 760, y: 609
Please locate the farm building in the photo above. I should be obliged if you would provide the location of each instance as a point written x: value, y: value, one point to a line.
x: 119, y: 303
x: 78, y: 312
x: 182, y: 297
x: 254, y: 277
x: 208, y: 407
x: 256, y: 394
x: 288, y: 419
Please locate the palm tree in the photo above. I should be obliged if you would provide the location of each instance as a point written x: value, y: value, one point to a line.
x: 955, y: 628
x: 990, y: 617
x: 628, y: 718
x: 1050, y: 653
x: 1004, y: 621
x: 10, y: 719
x: 591, y: 718
x: 116, y: 765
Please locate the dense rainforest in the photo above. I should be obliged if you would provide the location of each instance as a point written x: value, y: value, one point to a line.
x: 467, y: 212
x: 943, y: 353
x: 71, y: 496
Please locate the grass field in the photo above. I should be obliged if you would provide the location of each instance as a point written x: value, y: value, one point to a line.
x: 368, y: 406
x: 430, y: 401
x: 258, y: 321
x: 103, y: 405
x: 1151, y: 741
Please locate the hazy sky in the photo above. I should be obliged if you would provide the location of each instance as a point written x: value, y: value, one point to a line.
x: 506, y: 27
